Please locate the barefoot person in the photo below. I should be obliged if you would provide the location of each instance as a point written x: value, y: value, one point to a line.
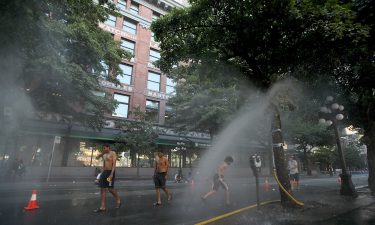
x: 218, y: 180
x: 293, y: 172
x: 107, y: 178
x: 160, y: 176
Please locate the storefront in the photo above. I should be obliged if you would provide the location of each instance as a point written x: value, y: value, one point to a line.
x: 79, y: 146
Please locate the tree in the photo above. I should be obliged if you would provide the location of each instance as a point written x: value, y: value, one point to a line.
x: 301, y: 125
x: 54, y: 54
x: 326, y: 156
x: 356, y: 76
x: 307, y: 135
x: 205, y: 98
x: 353, y: 157
x: 266, y: 40
x: 139, y: 137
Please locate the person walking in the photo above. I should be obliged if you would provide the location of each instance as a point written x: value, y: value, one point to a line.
x: 107, y: 178
x: 161, y: 166
x: 293, y: 172
x: 218, y: 181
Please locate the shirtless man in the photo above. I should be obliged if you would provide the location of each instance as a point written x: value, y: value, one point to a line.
x: 218, y: 180
x: 161, y: 166
x: 107, y: 178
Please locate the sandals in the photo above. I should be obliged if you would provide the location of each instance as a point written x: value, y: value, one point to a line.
x: 99, y: 210
x: 118, y: 205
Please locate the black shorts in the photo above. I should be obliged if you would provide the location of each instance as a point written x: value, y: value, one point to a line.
x: 103, y: 182
x: 159, y: 180
x: 217, y: 183
x: 294, y: 176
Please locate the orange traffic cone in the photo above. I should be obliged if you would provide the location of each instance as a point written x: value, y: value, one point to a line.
x: 266, y: 185
x: 32, y: 203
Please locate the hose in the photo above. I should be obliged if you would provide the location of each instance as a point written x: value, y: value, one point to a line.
x: 285, y: 191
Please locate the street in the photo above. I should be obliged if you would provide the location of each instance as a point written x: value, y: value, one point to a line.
x: 74, y: 202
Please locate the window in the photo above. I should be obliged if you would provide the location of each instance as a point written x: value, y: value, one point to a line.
x: 153, y: 82
x: 126, y: 77
x: 171, y: 87
x: 152, y: 111
x: 104, y: 72
x: 154, y: 55
x: 169, y: 114
x: 121, y: 5
x: 155, y: 16
x: 128, y: 45
x: 123, y: 105
x: 98, y: 93
x: 130, y: 27
x: 152, y: 36
x: 134, y: 8
x: 87, y: 154
x: 111, y: 21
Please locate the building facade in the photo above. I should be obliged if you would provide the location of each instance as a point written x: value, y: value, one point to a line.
x: 142, y: 85
x: 52, y: 142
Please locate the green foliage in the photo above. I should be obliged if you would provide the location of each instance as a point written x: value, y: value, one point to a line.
x: 325, y: 155
x: 58, y: 48
x: 329, y: 155
x: 301, y: 125
x: 138, y: 136
x: 266, y: 39
x: 353, y: 157
x: 206, y: 96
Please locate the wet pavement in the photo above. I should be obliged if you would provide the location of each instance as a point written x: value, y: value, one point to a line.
x: 323, y: 206
x: 72, y: 203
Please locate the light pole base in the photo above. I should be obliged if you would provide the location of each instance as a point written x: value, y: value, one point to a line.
x: 347, y: 187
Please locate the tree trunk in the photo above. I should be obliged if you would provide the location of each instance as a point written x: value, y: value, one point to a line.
x: 138, y: 164
x: 67, y: 147
x: 278, y: 151
x: 307, y: 162
x: 370, y: 135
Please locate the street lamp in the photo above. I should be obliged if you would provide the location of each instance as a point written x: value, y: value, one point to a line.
x: 330, y: 114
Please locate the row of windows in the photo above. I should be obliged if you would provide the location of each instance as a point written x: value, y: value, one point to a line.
x: 130, y: 47
x: 152, y: 108
x: 134, y: 9
x: 129, y: 25
x: 153, y: 80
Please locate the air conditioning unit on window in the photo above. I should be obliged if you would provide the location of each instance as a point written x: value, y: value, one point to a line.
x: 109, y: 124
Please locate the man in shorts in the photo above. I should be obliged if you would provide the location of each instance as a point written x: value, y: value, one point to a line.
x: 161, y: 166
x: 293, y: 172
x: 107, y: 178
x: 218, y: 181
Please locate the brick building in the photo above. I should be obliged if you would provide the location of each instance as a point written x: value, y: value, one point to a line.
x: 142, y: 85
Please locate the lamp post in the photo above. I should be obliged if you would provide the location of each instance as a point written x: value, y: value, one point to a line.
x: 330, y: 115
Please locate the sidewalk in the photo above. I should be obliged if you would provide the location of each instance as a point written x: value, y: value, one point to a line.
x: 321, y: 208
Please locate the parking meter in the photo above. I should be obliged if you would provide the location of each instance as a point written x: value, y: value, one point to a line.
x: 255, y: 164
x: 258, y: 163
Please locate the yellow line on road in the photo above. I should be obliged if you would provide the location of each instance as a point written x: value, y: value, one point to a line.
x: 234, y: 212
